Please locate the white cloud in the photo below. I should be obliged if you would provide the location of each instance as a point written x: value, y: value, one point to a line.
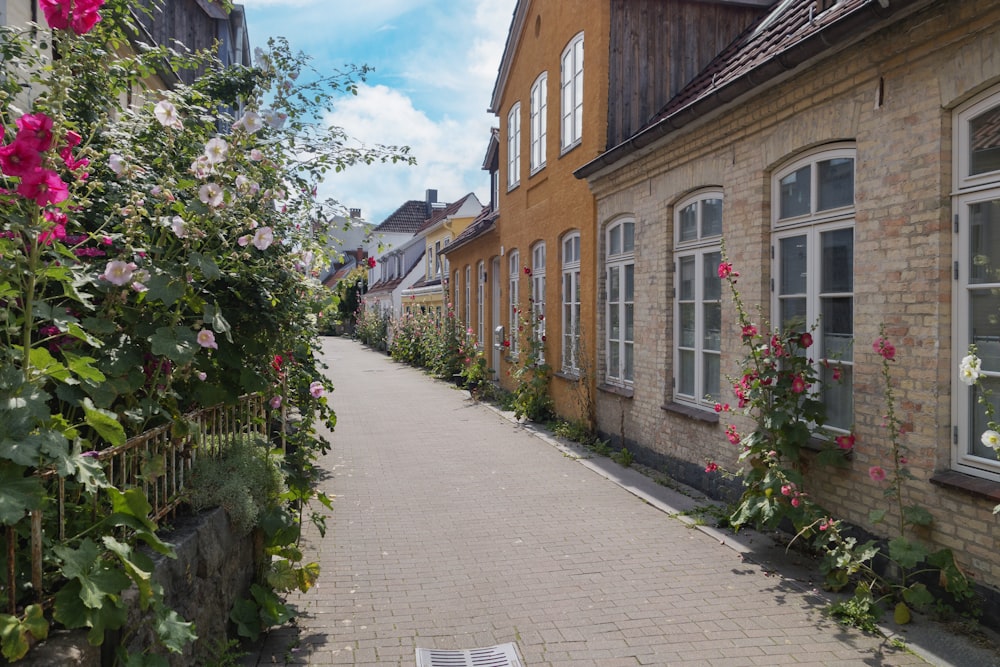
x: 449, y: 153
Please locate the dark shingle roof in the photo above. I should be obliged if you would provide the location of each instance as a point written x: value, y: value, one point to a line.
x: 406, y: 219
x: 483, y: 223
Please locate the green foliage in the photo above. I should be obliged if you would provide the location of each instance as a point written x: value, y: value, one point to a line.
x: 531, y: 398
x: 348, y: 294
x: 779, y: 390
x: 372, y: 328
x: 623, y: 457
x: 245, y: 481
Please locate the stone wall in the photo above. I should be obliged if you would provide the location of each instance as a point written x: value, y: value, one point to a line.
x: 214, y: 567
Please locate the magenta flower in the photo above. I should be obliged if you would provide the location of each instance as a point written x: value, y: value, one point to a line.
x: 275, y: 402
x: 726, y: 270
x: 85, y: 16
x: 712, y: 466
x: 884, y: 348
x: 44, y: 186
x: 35, y: 130
x: 19, y: 158
x: 798, y: 384
x: 877, y: 473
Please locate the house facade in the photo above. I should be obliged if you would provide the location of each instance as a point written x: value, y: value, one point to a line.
x: 845, y: 156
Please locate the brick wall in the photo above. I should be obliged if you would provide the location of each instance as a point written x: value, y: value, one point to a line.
x: 925, y: 65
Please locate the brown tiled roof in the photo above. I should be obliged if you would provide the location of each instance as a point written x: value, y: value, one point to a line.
x: 339, y: 274
x: 483, y: 223
x: 406, y: 219
x: 424, y: 282
x: 384, y: 286
x: 790, y: 34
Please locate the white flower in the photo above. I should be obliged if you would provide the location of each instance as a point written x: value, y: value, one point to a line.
x: 211, y: 194
x: 216, y: 150
x: 251, y: 122
x: 201, y: 167
x: 274, y: 118
x: 991, y: 439
x: 118, y: 272
x: 256, y: 155
x: 177, y: 225
x: 166, y: 113
x: 263, y: 238
x: 969, y: 369
x: 243, y: 241
x: 117, y: 164
x: 316, y: 389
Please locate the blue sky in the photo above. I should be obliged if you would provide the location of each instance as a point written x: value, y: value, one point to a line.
x: 435, y: 65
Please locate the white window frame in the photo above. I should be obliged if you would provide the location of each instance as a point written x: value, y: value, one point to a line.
x: 539, y: 121
x: 571, y: 89
x: 481, y: 304
x: 514, y: 301
x: 468, y: 298
x: 968, y: 455
x: 619, y: 259
x: 703, y: 251
x: 813, y: 225
x: 538, y: 297
x: 570, y: 245
x: 514, y: 146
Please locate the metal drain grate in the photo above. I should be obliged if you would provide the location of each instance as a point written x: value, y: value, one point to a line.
x: 501, y: 655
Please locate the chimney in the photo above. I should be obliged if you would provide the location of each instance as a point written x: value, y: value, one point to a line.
x: 355, y: 213
x: 430, y: 198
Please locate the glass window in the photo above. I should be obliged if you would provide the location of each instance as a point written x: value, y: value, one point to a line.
x: 571, y: 303
x: 468, y: 299
x: 514, y: 146
x: 539, y: 111
x: 538, y: 297
x: 572, y: 92
x: 814, y: 265
x: 620, y: 307
x: 698, y: 300
x: 514, y: 317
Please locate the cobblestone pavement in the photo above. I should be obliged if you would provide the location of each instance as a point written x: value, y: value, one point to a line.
x: 455, y: 528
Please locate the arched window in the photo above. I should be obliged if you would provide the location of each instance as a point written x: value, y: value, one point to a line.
x: 620, y: 307
x: 571, y: 302
x: 572, y: 93
x: 538, y: 297
x: 514, y: 297
x: 514, y: 146
x: 539, y: 111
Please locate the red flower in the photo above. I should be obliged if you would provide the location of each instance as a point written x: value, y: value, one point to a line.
x: 506, y: 343
x: 805, y: 340
x: 884, y: 348
x: 798, y: 384
x: 527, y: 270
x: 845, y: 442
x: 712, y: 466
x: 836, y: 374
x: 371, y: 262
x: 276, y: 362
x: 749, y: 331
x: 726, y: 270
x: 732, y: 435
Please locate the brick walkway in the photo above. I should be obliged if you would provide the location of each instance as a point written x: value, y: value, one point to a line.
x: 455, y: 528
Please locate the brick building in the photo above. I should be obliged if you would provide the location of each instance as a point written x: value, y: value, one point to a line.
x: 846, y: 152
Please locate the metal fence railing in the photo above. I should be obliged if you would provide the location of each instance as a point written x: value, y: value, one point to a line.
x: 157, y: 461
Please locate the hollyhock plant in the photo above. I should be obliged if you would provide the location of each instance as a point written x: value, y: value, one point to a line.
x: 316, y: 389
x: 262, y: 238
x: 166, y: 114
x: 118, y: 272
x: 211, y: 194
x: 216, y: 151
x: 19, y: 158
x: 35, y: 130
x: 84, y: 14
x: 43, y: 186
x: 206, y: 338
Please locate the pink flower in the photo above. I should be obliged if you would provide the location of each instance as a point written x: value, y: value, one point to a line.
x: 44, y: 186
x: 884, y: 348
x: 58, y: 231
x: 85, y: 16
x: 206, y: 338
x: 795, y: 501
x: 787, y: 489
x: 712, y: 466
x: 19, y: 158
x: 798, y: 384
x: 732, y: 435
x: 836, y: 374
x: 35, y: 130
x: 725, y: 270
x: 263, y: 237
x: 211, y: 194
x: 749, y: 331
x: 243, y: 241
x: 876, y: 473
x: 845, y: 442
x: 316, y: 389
x: 275, y: 402
x: 118, y: 272
x: 202, y: 375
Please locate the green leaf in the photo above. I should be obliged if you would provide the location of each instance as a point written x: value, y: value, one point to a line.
x: 174, y: 632
x: 18, y: 494
x: 179, y: 344
x: 104, y: 422
x: 246, y: 616
x: 34, y: 621
x: 918, y: 596
x: 308, y: 575
x: 98, y: 325
x: 206, y: 265
x: 164, y: 287
x: 876, y: 516
x: 917, y: 516
x: 906, y: 554
x: 142, y: 578
x: 282, y: 576
x: 25, y: 451
x: 43, y: 362
x: 13, y: 639
x: 272, y: 610
x: 76, y: 331
x: 83, y: 367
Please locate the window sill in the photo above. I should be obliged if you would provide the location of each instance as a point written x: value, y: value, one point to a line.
x: 976, y: 486
x: 691, y: 412
x: 624, y: 392
x: 569, y: 376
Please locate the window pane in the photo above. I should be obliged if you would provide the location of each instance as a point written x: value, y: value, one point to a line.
x: 711, y: 217
x: 613, y: 365
x: 837, y: 395
x: 836, y: 183
x: 793, y: 314
x: 795, y: 194
x: 838, y: 261
x: 630, y: 322
x: 712, y: 284
x: 793, y: 265
x: 685, y: 378
x: 984, y: 135
x: 629, y: 282
x: 686, y: 279
x: 985, y: 325
x: 614, y: 324
x: 614, y: 292
x: 615, y: 240
x: 984, y: 243
x: 838, y: 328
x: 712, y: 374
x: 628, y: 240
x: 688, y: 220
x: 979, y: 421
x: 629, y: 363
x: 713, y: 326
x: 687, y: 336
x: 576, y: 248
